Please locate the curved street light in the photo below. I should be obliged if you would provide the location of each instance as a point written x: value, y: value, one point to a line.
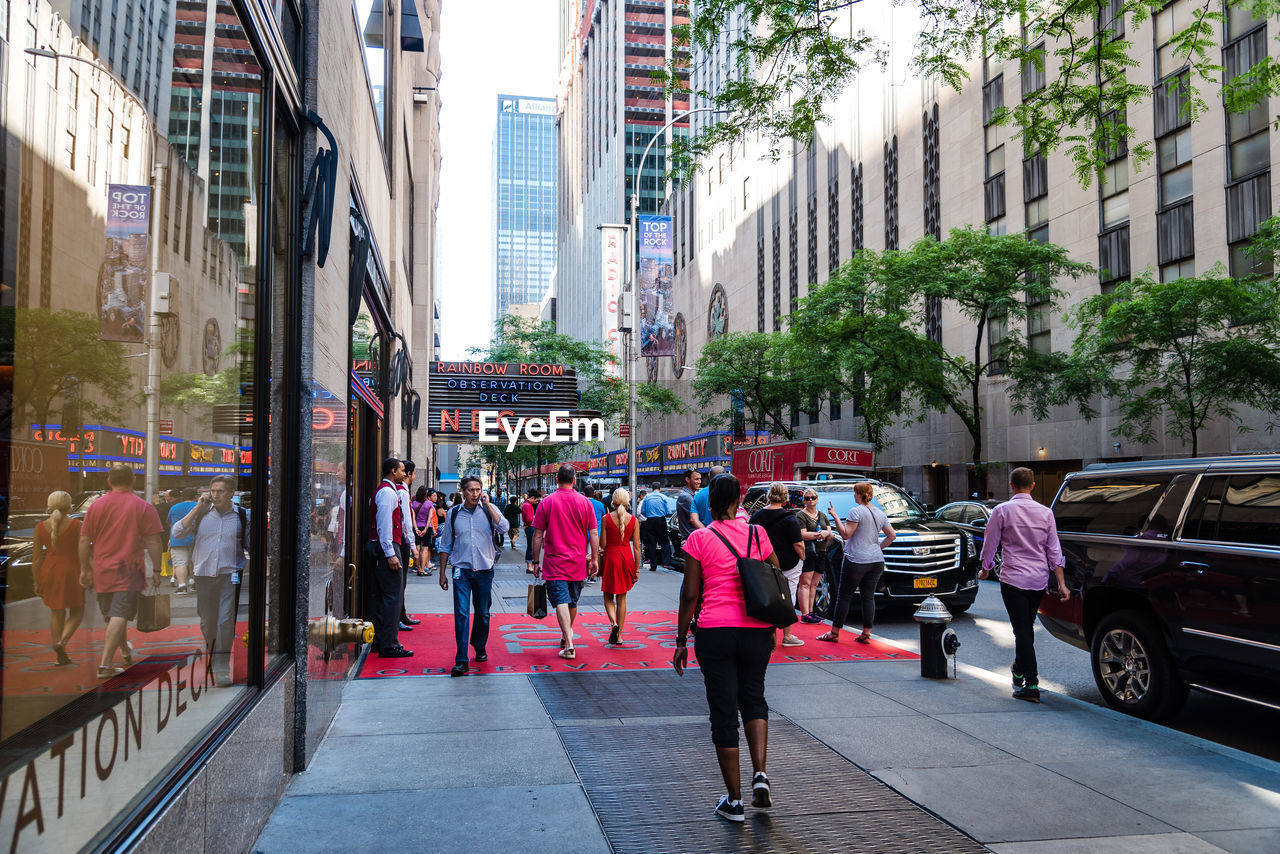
x: 632, y: 275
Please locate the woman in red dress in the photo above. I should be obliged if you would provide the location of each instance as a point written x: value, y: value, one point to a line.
x: 621, y: 558
x: 57, y: 572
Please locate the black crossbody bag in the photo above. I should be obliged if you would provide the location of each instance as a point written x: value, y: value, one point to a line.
x: 765, y: 591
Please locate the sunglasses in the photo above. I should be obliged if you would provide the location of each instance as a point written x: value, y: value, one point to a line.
x: 811, y: 498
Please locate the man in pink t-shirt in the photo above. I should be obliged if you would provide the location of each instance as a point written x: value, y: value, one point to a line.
x: 118, y: 528
x: 565, y: 525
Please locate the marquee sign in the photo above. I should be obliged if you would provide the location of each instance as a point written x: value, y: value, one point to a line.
x: 458, y: 392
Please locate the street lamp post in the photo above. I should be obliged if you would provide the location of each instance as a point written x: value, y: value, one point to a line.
x: 152, y: 389
x: 632, y: 348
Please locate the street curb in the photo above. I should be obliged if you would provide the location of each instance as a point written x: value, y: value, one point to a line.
x: 1002, y: 682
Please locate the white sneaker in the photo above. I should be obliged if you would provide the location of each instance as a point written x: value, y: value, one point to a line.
x: 792, y: 641
x: 761, y: 794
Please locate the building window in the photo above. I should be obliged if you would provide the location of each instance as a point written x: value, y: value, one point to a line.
x: 834, y: 403
x: 1183, y: 269
x: 1114, y: 188
x: 1169, y: 21
x: 856, y: 204
x: 997, y: 333
x: 833, y: 211
x: 1174, y: 161
x: 811, y: 209
x: 760, y: 270
x: 891, y: 193
x: 777, y: 263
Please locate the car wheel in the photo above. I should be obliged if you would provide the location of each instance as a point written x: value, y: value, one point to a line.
x: 959, y: 606
x: 822, y: 597
x: 1133, y: 668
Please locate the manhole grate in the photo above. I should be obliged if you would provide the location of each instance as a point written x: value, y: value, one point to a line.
x: 654, y: 786
x: 643, y: 694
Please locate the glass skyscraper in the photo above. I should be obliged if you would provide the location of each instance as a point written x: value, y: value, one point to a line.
x: 524, y: 200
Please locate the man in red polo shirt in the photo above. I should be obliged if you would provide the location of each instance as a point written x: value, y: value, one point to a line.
x: 565, y: 524
x: 117, y: 528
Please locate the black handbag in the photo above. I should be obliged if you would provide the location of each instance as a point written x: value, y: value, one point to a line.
x: 765, y: 591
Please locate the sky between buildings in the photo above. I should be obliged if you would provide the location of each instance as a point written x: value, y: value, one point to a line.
x: 485, y: 48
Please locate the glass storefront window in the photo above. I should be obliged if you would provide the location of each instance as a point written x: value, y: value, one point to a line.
x: 128, y: 332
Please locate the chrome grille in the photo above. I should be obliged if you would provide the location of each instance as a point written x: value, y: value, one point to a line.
x: 923, y: 554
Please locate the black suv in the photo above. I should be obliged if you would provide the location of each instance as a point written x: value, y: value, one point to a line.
x: 929, y: 556
x: 1177, y: 567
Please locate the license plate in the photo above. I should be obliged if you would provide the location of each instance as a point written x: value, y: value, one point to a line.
x: 923, y: 583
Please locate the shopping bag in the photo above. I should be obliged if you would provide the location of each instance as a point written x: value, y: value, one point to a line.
x: 153, y: 612
x: 537, y: 604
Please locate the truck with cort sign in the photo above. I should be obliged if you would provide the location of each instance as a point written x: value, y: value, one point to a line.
x: 802, y: 459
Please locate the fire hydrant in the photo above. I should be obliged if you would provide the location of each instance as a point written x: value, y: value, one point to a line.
x: 937, y: 642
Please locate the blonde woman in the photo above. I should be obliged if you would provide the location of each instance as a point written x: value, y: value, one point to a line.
x: 621, y: 560
x: 57, y: 572
x: 863, y: 561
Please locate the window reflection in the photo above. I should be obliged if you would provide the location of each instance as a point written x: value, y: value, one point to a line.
x: 128, y: 283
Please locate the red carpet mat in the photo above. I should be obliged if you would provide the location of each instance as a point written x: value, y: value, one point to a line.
x: 521, y: 644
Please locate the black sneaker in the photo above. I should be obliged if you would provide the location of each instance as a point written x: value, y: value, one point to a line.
x: 730, y: 810
x: 761, y: 794
x: 1018, y: 680
x: 1030, y: 693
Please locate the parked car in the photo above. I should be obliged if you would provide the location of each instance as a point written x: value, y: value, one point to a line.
x: 17, y: 575
x: 972, y: 516
x: 929, y: 556
x: 1175, y: 570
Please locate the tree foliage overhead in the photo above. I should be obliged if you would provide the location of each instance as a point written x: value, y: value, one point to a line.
x: 793, y: 59
x: 1193, y: 349
x: 57, y: 352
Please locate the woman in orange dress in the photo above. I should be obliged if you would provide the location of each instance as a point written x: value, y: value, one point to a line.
x: 621, y: 559
x: 57, y: 572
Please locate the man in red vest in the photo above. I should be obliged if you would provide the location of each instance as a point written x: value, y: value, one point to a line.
x: 386, y: 540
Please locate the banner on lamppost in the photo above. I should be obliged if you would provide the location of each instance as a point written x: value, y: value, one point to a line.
x: 613, y: 258
x: 657, y: 259
x: 122, y: 278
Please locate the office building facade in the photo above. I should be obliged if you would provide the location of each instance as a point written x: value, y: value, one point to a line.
x: 901, y: 158
x: 610, y: 108
x: 524, y: 200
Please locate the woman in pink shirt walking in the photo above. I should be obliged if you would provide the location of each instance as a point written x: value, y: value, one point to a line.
x: 733, y: 648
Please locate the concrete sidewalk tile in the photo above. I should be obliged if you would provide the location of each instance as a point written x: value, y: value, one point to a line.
x: 495, y: 685
x: 941, y: 696
x: 1018, y: 802
x: 551, y: 819
x: 1196, y: 793
x: 1064, y: 734
x: 901, y: 741
x: 885, y: 670
x: 395, y: 762
x: 840, y: 699
x: 1262, y: 840
x: 1156, y: 843
x: 410, y: 715
x: 798, y: 674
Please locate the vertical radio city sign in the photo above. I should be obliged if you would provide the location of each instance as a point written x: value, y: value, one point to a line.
x: 613, y: 259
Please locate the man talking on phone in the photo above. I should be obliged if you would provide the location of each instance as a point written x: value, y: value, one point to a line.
x: 466, y: 541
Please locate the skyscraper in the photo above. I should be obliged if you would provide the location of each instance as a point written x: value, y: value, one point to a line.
x: 611, y: 105
x: 524, y: 200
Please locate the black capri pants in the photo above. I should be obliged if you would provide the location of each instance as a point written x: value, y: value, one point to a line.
x: 733, y: 661
x: 854, y: 578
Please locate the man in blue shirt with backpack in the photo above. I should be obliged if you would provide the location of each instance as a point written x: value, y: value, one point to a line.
x: 466, y: 540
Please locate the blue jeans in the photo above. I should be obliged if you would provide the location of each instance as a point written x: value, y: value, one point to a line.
x: 471, y: 586
x: 528, y: 543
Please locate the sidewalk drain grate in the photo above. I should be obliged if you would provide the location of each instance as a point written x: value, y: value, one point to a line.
x: 653, y: 787
x: 642, y: 694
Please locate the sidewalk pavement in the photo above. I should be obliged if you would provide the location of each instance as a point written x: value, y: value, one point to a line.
x: 487, y: 763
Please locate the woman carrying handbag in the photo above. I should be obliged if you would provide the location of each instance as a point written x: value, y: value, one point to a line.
x: 733, y: 647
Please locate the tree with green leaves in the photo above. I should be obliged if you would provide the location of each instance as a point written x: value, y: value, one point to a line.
x: 1195, y: 349
x: 875, y: 310
x: 191, y: 391
x: 519, y: 339
x: 763, y: 373
x: 58, y: 354
x: 793, y: 58
x: 857, y: 336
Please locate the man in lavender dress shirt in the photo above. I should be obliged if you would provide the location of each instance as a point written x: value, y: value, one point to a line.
x: 1026, y: 530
